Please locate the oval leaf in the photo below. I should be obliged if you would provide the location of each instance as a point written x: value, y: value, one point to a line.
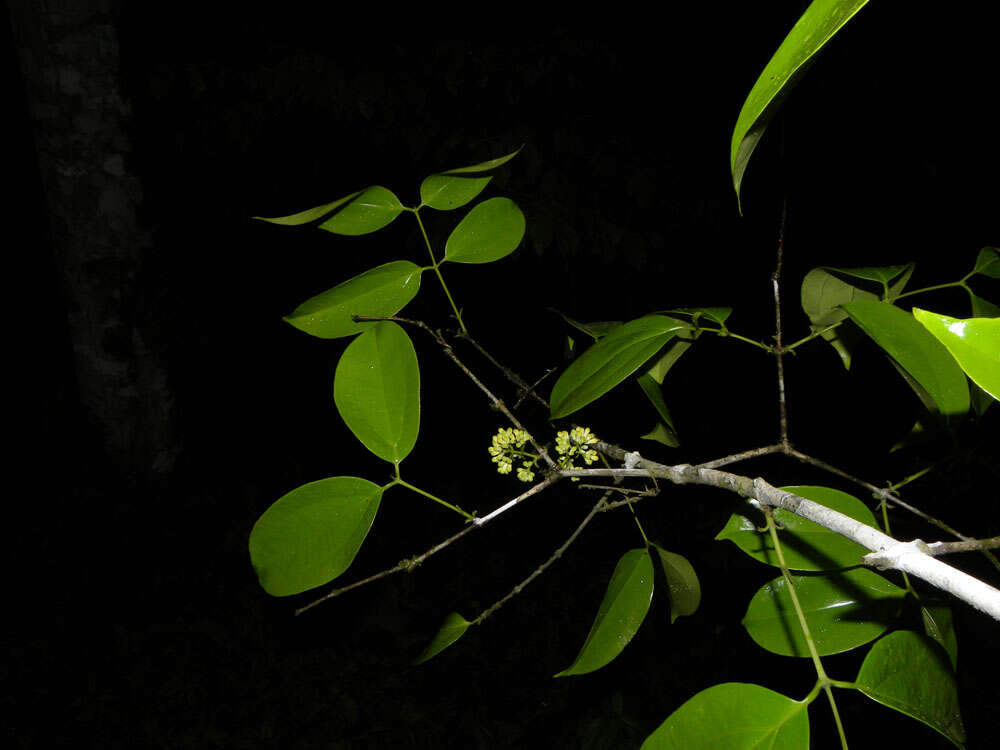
x: 311, y: 535
x: 377, y: 391
x: 490, y: 231
x: 821, y: 21
x: 685, y: 590
x: 456, y: 187
x: 910, y: 673
x: 378, y: 292
x: 451, y: 630
x: 734, y: 715
x: 612, y: 359
x: 916, y: 351
x: 368, y: 211
x: 843, y: 610
x: 806, y: 545
x: 310, y: 214
x: 622, y: 611
x: 974, y: 343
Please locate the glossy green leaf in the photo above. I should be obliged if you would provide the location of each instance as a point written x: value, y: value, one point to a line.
x: 806, y: 545
x: 820, y: 22
x: 377, y: 391
x: 844, y: 610
x: 685, y: 590
x: 717, y: 315
x: 612, y: 359
x: 974, y: 343
x: 654, y: 392
x: 451, y: 630
x: 939, y: 626
x: 622, y: 611
x: 735, y: 716
x: 310, y: 214
x: 367, y: 212
x: 456, y: 187
x: 880, y: 274
x: 910, y: 673
x: 378, y: 292
x: 594, y: 330
x: 312, y: 534
x: 490, y: 231
x: 916, y: 351
x: 988, y: 262
x: 672, y: 352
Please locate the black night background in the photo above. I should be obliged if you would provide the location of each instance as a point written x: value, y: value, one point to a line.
x: 160, y: 403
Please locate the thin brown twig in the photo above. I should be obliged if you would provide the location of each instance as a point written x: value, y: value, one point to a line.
x: 412, y: 562
x: 779, y: 348
x: 497, y: 403
x: 513, y: 377
x: 598, y: 507
x: 972, y: 545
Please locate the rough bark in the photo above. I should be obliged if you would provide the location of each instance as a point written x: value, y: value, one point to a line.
x: 68, y: 50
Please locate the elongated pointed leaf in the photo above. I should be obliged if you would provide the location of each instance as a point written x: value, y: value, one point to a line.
x: 910, y: 673
x: 490, y: 231
x: 915, y: 350
x: 974, y: 343
x: 622, y: 611
x: 817, y: 26
x: 939, y: 626
x: 879, y: 274
x: 378, y: 292
x: 451, y: 630
x: 988, y: 262
x: 806, y: 545
x: 685, y: 590
x: 310, y: 214
x: 368, y: 211
x: 377, y: 391
x: 654, y: 393
x: 672, y: 352
x: 844, y: 610
x: 594, y: 330
x: 663, y: 435
x: 612, y: 359
x: 715, y: 314
x: 312, y: 534
x: 456, y: 187
x: 734, y: 715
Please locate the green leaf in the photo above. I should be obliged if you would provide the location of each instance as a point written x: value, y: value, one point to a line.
x: 717, y: 315
x: 822, y: 295
x: 806, y: 545
x: 820, y: 22
x: 451, y: 630
x: 982, y: 308
x: 844, y: 610
x: 909, y: 672
x: 490, y: 231
x: 880, y: 274
x: 312, y: 534
x: 369, y: 211
x: 612, y: 359
x: 310, y: 214
x: 685, y: 590
x: 974, y: 343
x: 622, y: 611
x: 734, y: 715
x: 378, y: 292
x: 594, y: 330
x: 916, y: 351
x: 654, y: 393
x: 456, y: 187
x: 663, y: 435
x: 658, y: 370
x: 988, y: 262
x: 377, y: 391
x: 939, y: 626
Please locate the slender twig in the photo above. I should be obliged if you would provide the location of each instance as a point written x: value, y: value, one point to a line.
x: 498, y: 404
x: 973, y: 545
x: 598, y: 507
x: 513, y: 377
x: 532, y: 391
x: 412, y: 562
x: 779, y: 350
x: 745, y: 455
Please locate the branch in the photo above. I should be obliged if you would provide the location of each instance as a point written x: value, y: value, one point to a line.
x: 891, y: 553
x: 779, y: 349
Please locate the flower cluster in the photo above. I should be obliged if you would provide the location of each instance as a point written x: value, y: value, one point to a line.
x: 580, y: 442
x: 507, y: 449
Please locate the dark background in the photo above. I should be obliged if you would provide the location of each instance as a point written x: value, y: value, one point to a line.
x: 137, y: 620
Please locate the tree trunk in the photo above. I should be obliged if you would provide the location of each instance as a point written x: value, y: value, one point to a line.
x: 68, y: 50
